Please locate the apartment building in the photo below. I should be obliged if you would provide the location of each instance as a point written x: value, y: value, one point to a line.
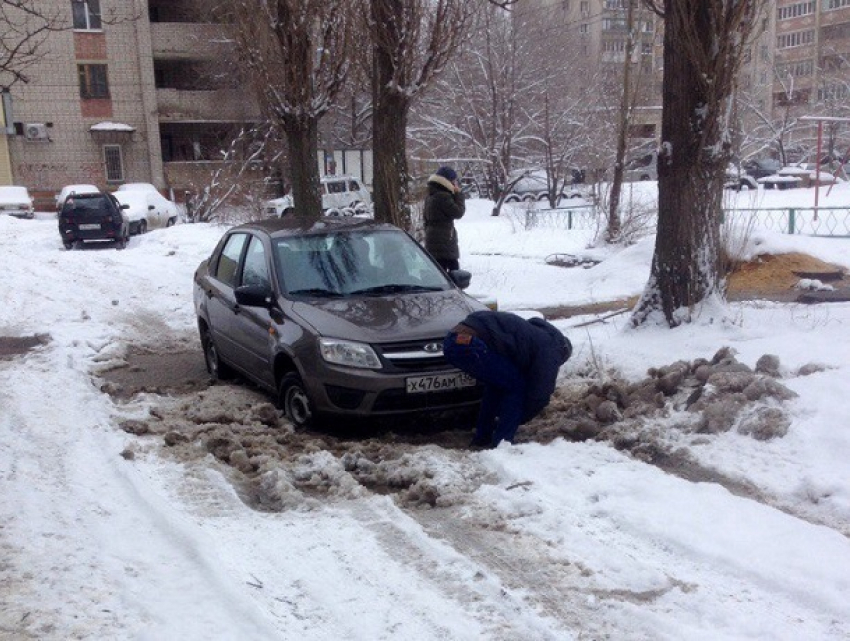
x: 595, y: 32
x: 812, y: 66
x: 136, y: 91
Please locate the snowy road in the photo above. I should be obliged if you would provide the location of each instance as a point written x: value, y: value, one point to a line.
x: 110, y: 535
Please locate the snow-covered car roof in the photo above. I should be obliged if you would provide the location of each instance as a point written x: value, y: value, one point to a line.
x: 137, y: 187
x: 81, y: 188
x: 14, y: 195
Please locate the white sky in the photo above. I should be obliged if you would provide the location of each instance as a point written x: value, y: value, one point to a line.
x: 562, y: 541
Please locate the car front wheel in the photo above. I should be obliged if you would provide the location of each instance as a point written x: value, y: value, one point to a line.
x: 143, y: 227
x: 293, y: 400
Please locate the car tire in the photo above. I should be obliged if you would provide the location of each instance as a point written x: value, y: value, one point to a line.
x: 216, y: 368
x: 512, y: 198
x: 143, y: 227
x: 171, y: 222
x: 294, y: 401
x: 68, y: 246
x: 121, y: 243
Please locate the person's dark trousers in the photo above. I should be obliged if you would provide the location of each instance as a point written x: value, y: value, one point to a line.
x: 448, y: 264
x: 504, y: 388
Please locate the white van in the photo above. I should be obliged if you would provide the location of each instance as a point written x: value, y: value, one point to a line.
x: 341, y: 196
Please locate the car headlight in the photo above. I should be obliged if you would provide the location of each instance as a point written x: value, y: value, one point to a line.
x: 348, y: 353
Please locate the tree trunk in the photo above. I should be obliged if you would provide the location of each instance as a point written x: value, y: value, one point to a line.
x: 612, y: 232
x: 389, y: 122
x: 389, y: 146
x: 691, y: 165
x: 302, y: 138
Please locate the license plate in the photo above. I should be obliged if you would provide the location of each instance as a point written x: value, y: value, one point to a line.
x: 88, y: 226
x: 438, y: 382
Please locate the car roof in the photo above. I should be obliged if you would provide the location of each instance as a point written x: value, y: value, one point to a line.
x: 80, y: 187
x: 292, y: 226
x: 13, y: 188
x: 137, y: 187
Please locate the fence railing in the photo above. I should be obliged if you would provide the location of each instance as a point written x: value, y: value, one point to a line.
x: 809, y: 221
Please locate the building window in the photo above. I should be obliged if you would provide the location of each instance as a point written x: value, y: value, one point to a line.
x: 829, y: 5
x: 584, y: 7
x: 795, y: 10
x: 93, y: 82
x: 795, y: 39
x: 113, y: 163
x: 86, y: 14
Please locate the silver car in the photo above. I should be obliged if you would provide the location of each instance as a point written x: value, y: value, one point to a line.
x: 342, y: 316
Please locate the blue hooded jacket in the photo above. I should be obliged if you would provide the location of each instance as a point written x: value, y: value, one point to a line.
x: 535, y: 346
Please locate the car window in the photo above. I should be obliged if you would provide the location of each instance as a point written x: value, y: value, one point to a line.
x: 255, y: 270
x: 229, y: 260
x: 336, y: 187
x: 342, y: 264
x: 87, y: 205
x: 353, y: 186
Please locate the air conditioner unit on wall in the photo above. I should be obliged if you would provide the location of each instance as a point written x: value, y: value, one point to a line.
x: 35, y: 131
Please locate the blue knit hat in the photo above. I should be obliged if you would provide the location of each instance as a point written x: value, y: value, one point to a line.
x: 448, y: 173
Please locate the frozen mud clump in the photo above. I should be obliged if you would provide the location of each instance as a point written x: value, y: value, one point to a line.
x: 765, y: 423
x: 318, y: 473
x: 702, y: 396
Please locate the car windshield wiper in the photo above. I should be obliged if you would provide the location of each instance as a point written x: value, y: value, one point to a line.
x: 395, y: 289
x: 317, y: 292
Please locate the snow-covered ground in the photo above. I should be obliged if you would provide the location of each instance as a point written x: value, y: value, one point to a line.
x: 564, y: 540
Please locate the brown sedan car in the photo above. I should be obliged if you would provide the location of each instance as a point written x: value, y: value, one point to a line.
x: 344, y: 317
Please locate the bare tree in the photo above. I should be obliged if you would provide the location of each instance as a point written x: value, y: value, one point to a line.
x: 484, y: 108
x: 412, y: 42
x: 24, y: 26
x: 297, y: 55
x: 703, y: 45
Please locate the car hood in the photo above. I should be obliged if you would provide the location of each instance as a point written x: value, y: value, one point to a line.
x: 388, y: 318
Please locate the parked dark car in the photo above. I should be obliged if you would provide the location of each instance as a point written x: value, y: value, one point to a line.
x: 93, y: 217
x: 342, y: 317
x: 738, y: 180
x: 761, y: 167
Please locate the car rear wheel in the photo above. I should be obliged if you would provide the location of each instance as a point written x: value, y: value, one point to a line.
x: 171, y: 222
x: 293, y: 400
x: 218, y: 370
x: 143, y: 227
x: 68, y: 246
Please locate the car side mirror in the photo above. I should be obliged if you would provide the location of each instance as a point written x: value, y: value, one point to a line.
x: 125, y: 206
x: 254, y: 296
x: 151, y: 207
x: 461, y: 277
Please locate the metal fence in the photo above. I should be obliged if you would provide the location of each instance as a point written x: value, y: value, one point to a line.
x: 808, y: 221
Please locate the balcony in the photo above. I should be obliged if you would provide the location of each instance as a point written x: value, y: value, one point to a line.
x: 191, y: 40
x: 216, y: 105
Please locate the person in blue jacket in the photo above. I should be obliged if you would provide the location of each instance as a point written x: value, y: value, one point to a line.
x: 517, y: 361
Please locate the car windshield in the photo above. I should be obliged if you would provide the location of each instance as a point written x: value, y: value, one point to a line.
x: 368, y: 263
x: 87, y: 205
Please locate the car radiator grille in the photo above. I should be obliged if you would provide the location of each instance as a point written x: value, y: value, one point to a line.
x: 415, y: 356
